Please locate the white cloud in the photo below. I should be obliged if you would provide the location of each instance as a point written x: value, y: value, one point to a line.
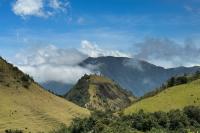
x: 52, y: 55
x: 53, y: 64
x: 93, y: 50
x: 39, y: 8
x: 62, y: 65
x: 28, y: 7
x: 60, y: 73
x: 58, y: 4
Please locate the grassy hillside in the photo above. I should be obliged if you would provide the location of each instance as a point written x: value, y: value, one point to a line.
x: 176, y: 97
x: 99, y: 93
x: 26, y: 106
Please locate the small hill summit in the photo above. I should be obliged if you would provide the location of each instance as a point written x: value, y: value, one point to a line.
x: 97, y: 92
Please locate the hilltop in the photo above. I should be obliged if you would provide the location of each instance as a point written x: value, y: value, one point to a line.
x: 99, y: 93
x: 180, y: 92
x: 24, y: 105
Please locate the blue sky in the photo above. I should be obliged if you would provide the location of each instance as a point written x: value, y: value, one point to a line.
x: 121, y: 25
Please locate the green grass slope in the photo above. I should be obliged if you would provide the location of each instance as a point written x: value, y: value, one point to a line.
x: 176, y: 97
x: 24, y: 105
x: 99, y: 93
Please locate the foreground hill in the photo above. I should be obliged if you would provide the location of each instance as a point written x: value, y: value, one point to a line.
x: 24, y: 105
x: 176, y: 97
x: 99, y: 93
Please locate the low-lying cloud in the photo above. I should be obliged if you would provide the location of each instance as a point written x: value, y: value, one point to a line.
x: 168, y: 53
x: 61, y: 73
x: 51, y: 63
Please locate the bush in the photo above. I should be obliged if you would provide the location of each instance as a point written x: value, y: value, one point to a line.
x: 193, y: 113
x: 177, y: 120
x: 162, y: 119
x: 13, y: 131
x: 26, y: 81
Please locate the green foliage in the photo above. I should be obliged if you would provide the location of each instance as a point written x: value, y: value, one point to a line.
x: 175, y: 121
x: 193, y: 113
x: 99, y: 122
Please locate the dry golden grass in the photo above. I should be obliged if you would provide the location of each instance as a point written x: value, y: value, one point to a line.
x: 35, y: 110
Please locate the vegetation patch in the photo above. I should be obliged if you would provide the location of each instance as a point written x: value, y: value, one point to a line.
x: 174, y: 121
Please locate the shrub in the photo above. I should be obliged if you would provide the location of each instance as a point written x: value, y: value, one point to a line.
x: 193, y: 113
x: 177, y: 120
x: 26, y: 81
x: 13, y: 131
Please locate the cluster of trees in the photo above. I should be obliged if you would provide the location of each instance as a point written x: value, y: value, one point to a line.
x: 180, y: 121
x: 175, y: 121
x: 173, y: 81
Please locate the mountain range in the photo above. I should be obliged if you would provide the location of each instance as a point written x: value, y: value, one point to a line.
x: 132, y: 74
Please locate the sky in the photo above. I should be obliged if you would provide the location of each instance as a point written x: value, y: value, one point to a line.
x: 162, y: 32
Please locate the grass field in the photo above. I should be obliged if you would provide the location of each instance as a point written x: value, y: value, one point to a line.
x: 176, y: 97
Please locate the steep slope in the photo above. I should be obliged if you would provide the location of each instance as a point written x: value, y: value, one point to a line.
x: 176, y: 97
x: 135, y: 75
x: 99, y: 93
x: 26, y: 106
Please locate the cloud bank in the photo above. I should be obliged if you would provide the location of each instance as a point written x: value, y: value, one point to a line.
x: 39, y: 8
x: 57, y: 64
x: 168, y: 53
x: 53, y: 64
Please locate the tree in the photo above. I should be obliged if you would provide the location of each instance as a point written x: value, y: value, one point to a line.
x: 171, y: 82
